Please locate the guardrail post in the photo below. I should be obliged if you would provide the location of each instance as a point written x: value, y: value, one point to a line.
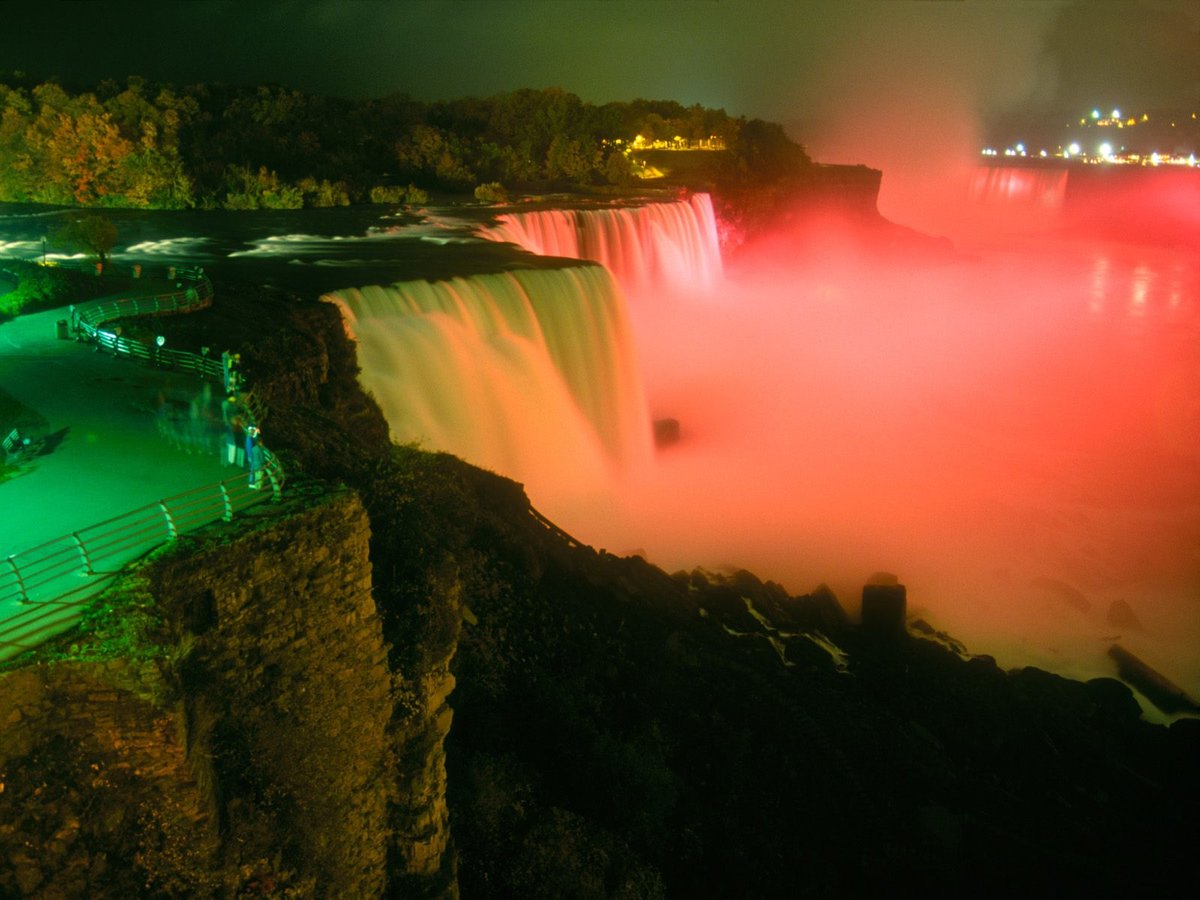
x: 24, y: 597
x: 228, y: 503
x: 172, y: 531
x: 87, y: 561
x: 276, y: 486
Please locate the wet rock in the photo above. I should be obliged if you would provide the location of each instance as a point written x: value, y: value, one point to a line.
x: 884, y: 608
x: 666, y: 432
x: 1061, y: 592
x: 1152, y: 684
x: 1121, y: 615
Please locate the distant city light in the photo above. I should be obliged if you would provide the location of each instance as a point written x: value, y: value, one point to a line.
x: 1119, y: 150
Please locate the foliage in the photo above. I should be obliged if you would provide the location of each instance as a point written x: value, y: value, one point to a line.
x: 92, y: 234
x: 435, y: 156
x: 262, y: 189
x: 121, y: 623
x: 618, y: 169
x: 396, y: 194
x: 43, y: 287
x: 324, y: 192
x: 145, y: 145
x: 492, y: 192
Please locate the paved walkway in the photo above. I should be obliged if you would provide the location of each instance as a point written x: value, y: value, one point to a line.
x: 106, y: 454
x: 111, y: 457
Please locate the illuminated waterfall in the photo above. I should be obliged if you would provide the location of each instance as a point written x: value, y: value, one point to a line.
x: 530, y: 373
x: 1019, y: 186
x: 670, y: 246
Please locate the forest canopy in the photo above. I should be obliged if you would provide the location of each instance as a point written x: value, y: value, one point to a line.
x: 140, y: 144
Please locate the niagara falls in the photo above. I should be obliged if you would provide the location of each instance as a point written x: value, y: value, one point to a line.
x: 629, y: 450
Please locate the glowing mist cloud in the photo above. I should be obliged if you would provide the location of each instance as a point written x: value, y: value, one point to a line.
x: 1008, y: 433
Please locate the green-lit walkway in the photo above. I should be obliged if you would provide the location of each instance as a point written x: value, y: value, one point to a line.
x: 119, y: 432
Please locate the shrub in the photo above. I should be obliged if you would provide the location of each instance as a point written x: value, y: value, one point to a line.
x: 42, y: 287
x: 397, y: 194
x: 247, y: 189
x: 492, y: 192
x: 324, y: 193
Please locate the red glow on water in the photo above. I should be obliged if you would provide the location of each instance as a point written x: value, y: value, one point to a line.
x: 983, y: 428
x: 1014, y: 431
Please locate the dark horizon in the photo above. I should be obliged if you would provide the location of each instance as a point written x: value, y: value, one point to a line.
x: 839, y: 73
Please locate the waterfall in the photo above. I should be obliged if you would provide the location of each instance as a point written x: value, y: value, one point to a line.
x: 658, y: 246
x: 529, y: 372
x: 1036, y: 188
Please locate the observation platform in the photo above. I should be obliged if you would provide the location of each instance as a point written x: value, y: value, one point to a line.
x: 119, y: 434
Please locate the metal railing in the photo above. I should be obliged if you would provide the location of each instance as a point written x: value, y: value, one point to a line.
x: 45, y: 589
x: 160, y: 357
x: 89, y: 320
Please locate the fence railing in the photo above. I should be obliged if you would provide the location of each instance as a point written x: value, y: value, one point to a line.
x: 43, y: 590
x: 89, y: 319
x: 197, y: 295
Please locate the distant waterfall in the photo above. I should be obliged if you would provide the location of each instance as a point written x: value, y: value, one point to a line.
x: 530, y: 372
x: 1034, y: 188
x: 656, y: 246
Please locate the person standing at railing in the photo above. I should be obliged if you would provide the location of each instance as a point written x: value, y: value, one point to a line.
x: 229, y: 370
x: 231, y: 421
x: 254, y: 457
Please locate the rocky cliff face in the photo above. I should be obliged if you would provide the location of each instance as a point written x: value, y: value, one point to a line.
x: 244, y: 738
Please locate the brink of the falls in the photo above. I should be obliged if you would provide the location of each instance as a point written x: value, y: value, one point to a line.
x: 531, y: 373
x: 672, y: 246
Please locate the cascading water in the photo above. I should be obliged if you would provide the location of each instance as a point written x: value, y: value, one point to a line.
x: 531, y: 373
x: 994, y: 431
x: 1037, y: 188
x: 656, y: 246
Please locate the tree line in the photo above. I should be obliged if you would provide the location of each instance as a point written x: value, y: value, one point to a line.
x: 141, y: 144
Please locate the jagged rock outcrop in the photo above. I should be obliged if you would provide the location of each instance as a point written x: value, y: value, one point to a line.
x: 228, y: 722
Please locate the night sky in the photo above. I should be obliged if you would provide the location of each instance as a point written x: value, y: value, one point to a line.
x: 834, y: 72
